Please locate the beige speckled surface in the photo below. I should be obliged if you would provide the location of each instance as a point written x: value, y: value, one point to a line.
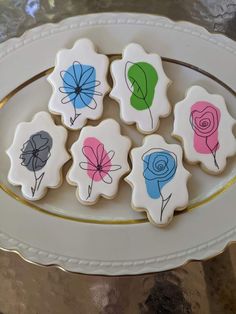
x: 26, y: 288
x: 198, y: 287
x: 207, y: 287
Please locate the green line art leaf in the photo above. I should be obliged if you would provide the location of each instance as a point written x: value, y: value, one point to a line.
x: 141, y: 79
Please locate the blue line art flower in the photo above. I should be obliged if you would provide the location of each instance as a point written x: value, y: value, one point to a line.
x: 160, y: 166
x: 35, y: 154
x: 79, y: 85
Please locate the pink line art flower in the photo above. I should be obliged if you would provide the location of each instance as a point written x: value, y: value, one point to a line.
x: 204, y: 120
x: 98, y: 162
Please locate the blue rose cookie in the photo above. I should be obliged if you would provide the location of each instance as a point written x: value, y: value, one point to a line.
x: 157, y: 177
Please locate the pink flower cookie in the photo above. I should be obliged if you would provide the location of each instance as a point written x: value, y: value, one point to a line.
x: 204, y: 125
x: 79, y: 84
x: 99, y: 161
x: 158, y: 179
x: 140, y: 87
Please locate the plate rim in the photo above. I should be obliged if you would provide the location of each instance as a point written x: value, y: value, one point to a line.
x: 49, y: 28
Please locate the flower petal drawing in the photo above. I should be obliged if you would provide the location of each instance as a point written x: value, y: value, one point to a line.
x: 204, y: 120
x: 35, y: 154
x: 98, y: 162
x: 89, y: 93
x: 80, y: 88
x: 28, y: 146
x: 87, y: 166
x: 111, y: 167
x: 90, y: 85
x: 68, y: 79
x: 88, y: 100
x: 40, y: 141
x: 100, y: 152
x: 66, y: 89
x: 39, y: 163
x: 68, y: 98
x: 26, y: 159
x: 90, y: 154
x: 105, y: 176
x: 108, y: 157
x: 44, y: 153
x: 77, y: 71
x: 87, y: 75
x: 148, y: 174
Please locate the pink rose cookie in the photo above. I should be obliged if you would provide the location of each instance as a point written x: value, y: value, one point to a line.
x: 140, y: 87
x: 204, y: 125
x: 37, y: 155
x: 99, y: 161
x: 79, y: 84
x: 158, y: 179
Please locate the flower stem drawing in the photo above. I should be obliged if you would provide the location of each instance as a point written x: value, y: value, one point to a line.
x: 164, y: 201
x: 76, y: 115
x: 34, y: 156
x: 37, y: 182
x: 79, y: 85
x: 143, y: 97
x: 98, y: 163
x: 141, y: 79
x: 213, y: 152
x: 90, y: 186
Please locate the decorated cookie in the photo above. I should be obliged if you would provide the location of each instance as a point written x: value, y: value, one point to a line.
x: 204, y: 125
x: 99, y: 161
x: 140, y: 87
x: 79, y: 84
x: 158, y: 179
x: 37, y: 155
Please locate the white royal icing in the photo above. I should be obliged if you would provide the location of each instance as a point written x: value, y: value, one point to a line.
x: 204, y: 125
x: 79, y: 84
x: 158, y: 179
x: 140, y: 87
x: 37, y: 155
x: 99, y: 161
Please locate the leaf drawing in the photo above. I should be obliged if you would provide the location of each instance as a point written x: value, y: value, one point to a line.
x: 141, y: 79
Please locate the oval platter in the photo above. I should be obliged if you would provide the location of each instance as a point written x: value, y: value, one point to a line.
x: 110, y: 238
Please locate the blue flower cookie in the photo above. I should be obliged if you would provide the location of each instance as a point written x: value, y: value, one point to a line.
x: 158, y: 179
x: 79, y: 84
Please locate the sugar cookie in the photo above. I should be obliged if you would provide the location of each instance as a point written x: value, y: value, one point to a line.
x: 158, y: 179
x: 79, y: 84
x: 37, y: 155
x: 204, y: 125
x: 140, y: 87
x: 99, y: 161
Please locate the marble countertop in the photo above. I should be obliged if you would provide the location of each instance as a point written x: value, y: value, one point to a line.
x: 197, y: 287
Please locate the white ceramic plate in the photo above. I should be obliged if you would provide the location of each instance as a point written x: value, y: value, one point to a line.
x: 110, y: 238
